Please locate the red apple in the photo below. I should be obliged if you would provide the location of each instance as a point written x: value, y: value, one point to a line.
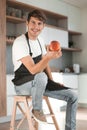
x: 54, y: 46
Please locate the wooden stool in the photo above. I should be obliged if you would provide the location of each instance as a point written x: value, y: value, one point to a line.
x: 26, y: 100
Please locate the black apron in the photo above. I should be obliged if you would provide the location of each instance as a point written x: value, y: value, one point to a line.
x: 22, y: 75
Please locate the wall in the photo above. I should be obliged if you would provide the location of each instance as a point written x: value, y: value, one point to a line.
x: 63, y: 62
x: 81, y: 58
x: 55, y: 5
x: 9, y: 64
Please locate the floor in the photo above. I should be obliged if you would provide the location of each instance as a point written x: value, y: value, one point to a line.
x: 81, y: 122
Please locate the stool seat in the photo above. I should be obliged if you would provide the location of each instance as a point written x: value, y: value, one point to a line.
x: 27, y: 101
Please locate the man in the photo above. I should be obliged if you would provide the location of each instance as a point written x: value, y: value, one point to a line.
x: 32, y: 71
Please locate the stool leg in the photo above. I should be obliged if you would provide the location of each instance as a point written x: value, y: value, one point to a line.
x: 12, y: 125
x: 21, y: 121
x: 35, y: 123
x: 28, y: 114
x: 51, y: 111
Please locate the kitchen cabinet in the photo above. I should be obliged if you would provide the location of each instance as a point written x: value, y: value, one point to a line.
x: 82, y: 89
x: 57, y: 77
x: 68, y: 79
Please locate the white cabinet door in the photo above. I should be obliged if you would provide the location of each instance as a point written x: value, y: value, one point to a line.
x: 82, y: 89
x: 60, y: 35
x: 70, y: 80
x: 45, y: 35
x: 57, y: 77
x: 74, y: 18
x: 49, y: 34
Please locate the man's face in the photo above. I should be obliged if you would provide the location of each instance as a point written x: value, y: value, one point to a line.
x: 35, y: 27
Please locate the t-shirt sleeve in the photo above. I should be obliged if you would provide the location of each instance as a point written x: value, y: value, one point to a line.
x: 20, y: 48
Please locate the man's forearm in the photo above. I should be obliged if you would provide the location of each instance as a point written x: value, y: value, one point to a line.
x: 47, y: 70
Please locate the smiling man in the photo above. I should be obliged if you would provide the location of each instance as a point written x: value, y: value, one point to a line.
x: 30, y: 60
x: 32, y: 71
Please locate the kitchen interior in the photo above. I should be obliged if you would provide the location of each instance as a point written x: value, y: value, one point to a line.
x: 69, y: 29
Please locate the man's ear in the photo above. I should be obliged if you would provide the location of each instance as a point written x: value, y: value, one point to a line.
x: 27, y: 23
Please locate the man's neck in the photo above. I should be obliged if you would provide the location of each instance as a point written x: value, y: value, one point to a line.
x: 32, y: 37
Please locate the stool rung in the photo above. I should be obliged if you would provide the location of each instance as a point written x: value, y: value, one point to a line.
x: 48, y: 115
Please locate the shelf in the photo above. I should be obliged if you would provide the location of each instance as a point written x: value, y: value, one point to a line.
x: 9, y: 42
x: 74, y: 33
x: 72, y: 41
x: 20, y: 5
x: 15, y: 19
x: 53, y: 18
x: 71, y: 49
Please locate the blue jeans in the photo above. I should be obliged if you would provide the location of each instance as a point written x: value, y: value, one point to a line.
x: 36, y: 89
x: 70, y: 97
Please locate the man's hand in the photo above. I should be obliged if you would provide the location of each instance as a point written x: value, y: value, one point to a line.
x: 53, y: 54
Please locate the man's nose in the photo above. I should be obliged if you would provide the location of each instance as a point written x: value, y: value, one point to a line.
x: 36, y: 25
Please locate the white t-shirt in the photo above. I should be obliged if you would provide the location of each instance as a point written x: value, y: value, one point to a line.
x: 20, y: 49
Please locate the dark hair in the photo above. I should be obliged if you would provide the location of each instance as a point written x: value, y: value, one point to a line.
x: 37, y: 14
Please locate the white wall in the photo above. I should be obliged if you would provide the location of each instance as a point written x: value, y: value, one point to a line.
x: 81, y: 58
x: 51, y: 5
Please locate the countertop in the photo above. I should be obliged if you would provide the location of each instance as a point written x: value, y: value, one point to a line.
x: 62, y: 73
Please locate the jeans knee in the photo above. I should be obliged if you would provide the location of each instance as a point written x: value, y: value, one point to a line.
x: 41, y: 79
x: 74, y: 96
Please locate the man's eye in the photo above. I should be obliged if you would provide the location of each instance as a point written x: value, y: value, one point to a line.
x: 40, y: 23
x: 33, y: 22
